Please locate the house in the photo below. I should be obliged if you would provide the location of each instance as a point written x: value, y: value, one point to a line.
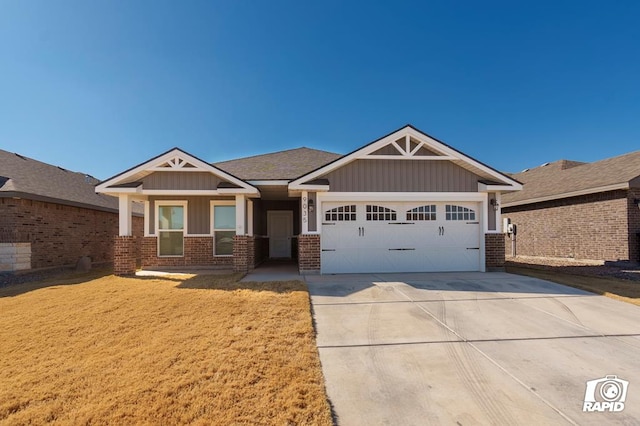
x: 405, y: 202
x: 51, y: 217
x: 570, y: 209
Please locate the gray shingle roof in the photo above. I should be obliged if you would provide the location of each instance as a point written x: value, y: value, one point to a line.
x: 28, y: 178
x: 282, y: 165
x: 562, y: 177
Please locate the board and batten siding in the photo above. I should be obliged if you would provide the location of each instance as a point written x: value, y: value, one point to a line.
x: 181, y: 181
x: 402, y: 176
x: 198, y: 212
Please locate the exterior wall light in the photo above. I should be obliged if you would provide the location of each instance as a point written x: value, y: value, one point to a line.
x: 494, y: 203
x: 311, y: 205
x: 637, y: 202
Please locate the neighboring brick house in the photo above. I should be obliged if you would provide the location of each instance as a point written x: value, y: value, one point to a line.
x: 51, y: 217
x: 403, y: 203
x: 583, y: 211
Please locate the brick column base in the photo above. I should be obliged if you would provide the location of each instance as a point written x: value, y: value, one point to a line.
x: 243, y: 253
x: 494, y: 252
x: 124, y: 255
x: 309, y: 253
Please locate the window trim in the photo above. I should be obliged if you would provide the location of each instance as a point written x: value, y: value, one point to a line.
x: 212, y: 229
x: 185, y: 225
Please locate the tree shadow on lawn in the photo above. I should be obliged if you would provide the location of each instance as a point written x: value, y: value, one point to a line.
x: 52, y: 279
x: 232, y: 282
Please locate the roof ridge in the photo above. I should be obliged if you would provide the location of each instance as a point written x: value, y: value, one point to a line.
x: 275, y: 152
x: 63, y: 169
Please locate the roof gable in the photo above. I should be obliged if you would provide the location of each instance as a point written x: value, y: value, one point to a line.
x: 171, y: 162
x: 410, y: 144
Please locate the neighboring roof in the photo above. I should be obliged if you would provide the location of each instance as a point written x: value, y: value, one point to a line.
x: 564, y: 178
x: 27, y: 178
x: 282, y: 165
x: 435, y: 147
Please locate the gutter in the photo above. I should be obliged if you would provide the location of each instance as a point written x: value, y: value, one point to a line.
x: 606, y: 188
x: 35, y: 197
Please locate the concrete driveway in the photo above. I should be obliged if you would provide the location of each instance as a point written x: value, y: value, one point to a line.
x: 471, y: 348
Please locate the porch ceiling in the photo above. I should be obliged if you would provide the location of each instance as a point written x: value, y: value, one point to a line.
x: 279, y: 192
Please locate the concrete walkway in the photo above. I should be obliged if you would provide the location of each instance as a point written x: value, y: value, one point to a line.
x: 470, y: 348
x: 274, y: 270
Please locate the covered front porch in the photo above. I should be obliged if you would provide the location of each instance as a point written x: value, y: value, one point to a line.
x: 209, y: 232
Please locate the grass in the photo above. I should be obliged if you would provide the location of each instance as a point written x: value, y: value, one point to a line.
x: 615, y: 288
x: 193, y: 349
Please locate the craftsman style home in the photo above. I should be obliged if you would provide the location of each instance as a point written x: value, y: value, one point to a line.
x: 403, y: 203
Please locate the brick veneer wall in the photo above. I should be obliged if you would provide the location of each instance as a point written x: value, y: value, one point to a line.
x: 634, y: 224
x: 494, y: 251
x: 198, y: 251
x: 59, y: 235
x: 309, y: 253
x: 594, y: 226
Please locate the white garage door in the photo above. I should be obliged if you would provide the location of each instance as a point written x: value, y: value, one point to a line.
x: 400, y: 237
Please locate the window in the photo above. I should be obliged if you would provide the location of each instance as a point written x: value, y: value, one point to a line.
x: 171, y: 227
x: 422, y: 213
x: 224, y: 227
x: 459, y: 213
x: 341, y: 213
x: 380, y: 213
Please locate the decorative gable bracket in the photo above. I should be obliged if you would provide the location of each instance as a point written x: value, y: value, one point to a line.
x: 406, y: 148
x: 177, y: 163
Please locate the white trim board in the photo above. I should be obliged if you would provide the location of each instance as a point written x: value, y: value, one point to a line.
x: 402, y: 196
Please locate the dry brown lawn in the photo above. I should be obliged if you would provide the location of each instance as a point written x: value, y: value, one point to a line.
x: 199, y: 350
x: 615, y: 288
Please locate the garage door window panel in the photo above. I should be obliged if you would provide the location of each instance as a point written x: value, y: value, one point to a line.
x: 380, y: 213
x: 453, y: 212
x: 341, y: 214
x: 421, y: 213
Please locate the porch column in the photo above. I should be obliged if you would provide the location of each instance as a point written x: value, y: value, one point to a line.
x: 304, y: 212
x: 250, y: 218
x: 124, y: 211
x: 499, y: 213
x: 240, y: 214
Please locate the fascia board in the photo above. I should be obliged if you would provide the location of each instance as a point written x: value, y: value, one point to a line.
x: 614, y: 187
x: 309, y: 187
x: 269, y: 182
x: 483, y: 187
x: 196, y: 192
x: 102, y: 186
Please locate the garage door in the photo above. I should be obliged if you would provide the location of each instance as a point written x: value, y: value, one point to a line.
x: 400, y: 237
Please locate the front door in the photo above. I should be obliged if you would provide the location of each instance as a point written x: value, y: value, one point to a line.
x: 280, y: 231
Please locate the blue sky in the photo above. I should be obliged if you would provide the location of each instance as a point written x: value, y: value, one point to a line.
x: 99, y: 86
